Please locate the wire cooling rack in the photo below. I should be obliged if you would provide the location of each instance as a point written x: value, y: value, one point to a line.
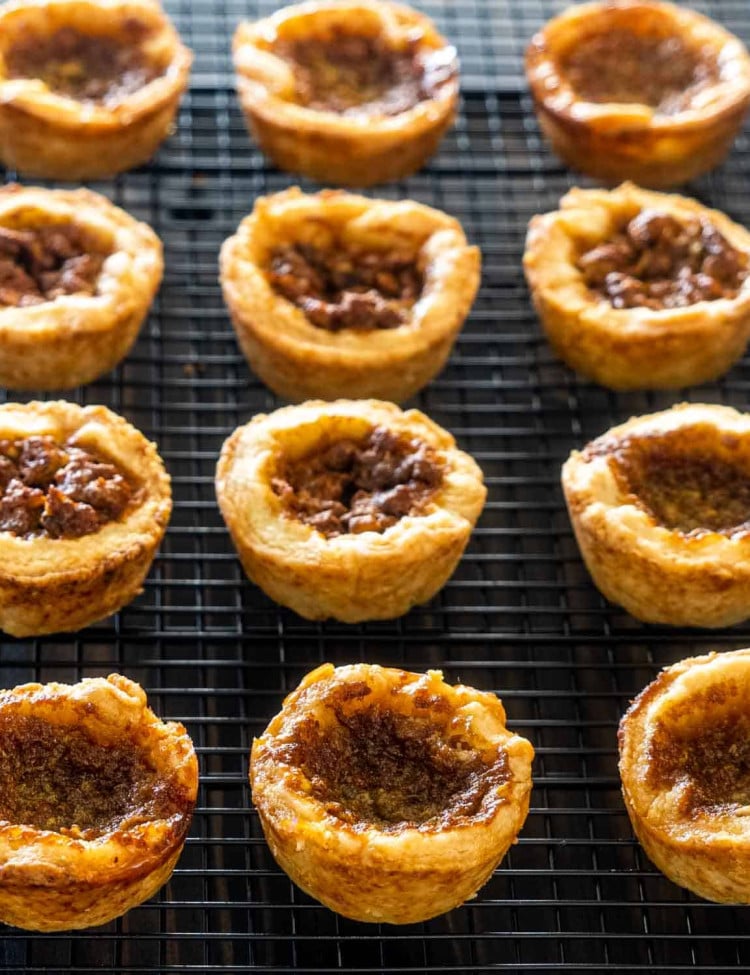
x: 520, y: 616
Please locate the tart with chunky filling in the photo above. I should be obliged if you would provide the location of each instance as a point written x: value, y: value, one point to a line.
x: 96, y: 798
x: 685, y: 768
x: 335, y: 295
x: 630, y: 89
x: 84, y: 504
x: 346, y: 92
x: 389, y: 796
x: 351, y: 509
x: 640, y: 290
x: 660, y: 507
x: 77, y: 277
x: 88, y: 88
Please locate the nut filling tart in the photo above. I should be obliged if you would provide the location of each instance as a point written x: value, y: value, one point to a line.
x: 84, y: 504
x: 346, y: 92
x: 77, y: 277
x: 88, y: 88
x: 685, y: 768
x: 96, y: 798
x: 635, y: 90
x: 661, y: 511
x: 389, y: 796
x: 335, y: 295
x: 351, y: 509
x: 640, y: 290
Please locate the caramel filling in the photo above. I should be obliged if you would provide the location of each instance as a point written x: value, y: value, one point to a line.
x: 58, y: 491
x: 359, y: 486
x: 659, y: 262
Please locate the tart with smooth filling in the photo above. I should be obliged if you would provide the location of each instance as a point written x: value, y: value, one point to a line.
x: 660, y: 507
x: 96, y: 798
x: 77, y: 277
x: 346, y: 91
x: 685, y: 768
x: 84, y: 504
x: 351, y: 509
x: 389, y: 796
x: 640, y: 290
x: 88, y: 88
x: 648, y: 91
x: 335, y: 295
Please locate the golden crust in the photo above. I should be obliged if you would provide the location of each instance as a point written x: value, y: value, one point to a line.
x: 75, y: 338
x: 51, y: 585
x: 706, y: 850
x: 405, y: 875
x: 52, y: 881
x: 52, y: 136
x: 656, y: 574
x: 349, y: 577
x: 614, y: 141
x: 354, y: 151
x: 632, y: 348
x: 297, y: 359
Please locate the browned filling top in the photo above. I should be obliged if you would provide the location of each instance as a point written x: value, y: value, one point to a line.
x: 57, y: 490
x: 360, y: 486
x: 341, y: 288
x: 87, y: 67
x: 54, y: 777
x: 657, y: 261
x: 622, y: 66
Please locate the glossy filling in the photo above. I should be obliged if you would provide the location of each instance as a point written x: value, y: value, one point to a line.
x: 621, y: 66
x: 659, y: 262
x: 58, y: 491
x: 359, y: 486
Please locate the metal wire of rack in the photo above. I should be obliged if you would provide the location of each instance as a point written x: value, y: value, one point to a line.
x: 520, y: 616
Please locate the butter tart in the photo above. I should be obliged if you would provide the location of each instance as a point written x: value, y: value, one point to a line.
x: 640, y: 290
x: 96, y: 798
x: 353, y: 92
x: 352, y: 509
x: 660, y: 507
x: 77, y: 277
x: 335, y: 295
x: 389, y: 796
x: 631, y: 89
x: 88, y: 88
x: 84, y: 504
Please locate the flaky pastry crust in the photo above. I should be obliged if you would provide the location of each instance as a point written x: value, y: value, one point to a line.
x: 702, y: 846
x: 52, y: 136
x: 75, y: 338
x: 50, y: 585
x: 55, y: 881
x: 614, y: 141
x: 349, y: 577
x: 357, y: 150
x: 629, y: 348
x: 657, y: 574
x: 299, y: 360
x: 406, y: 873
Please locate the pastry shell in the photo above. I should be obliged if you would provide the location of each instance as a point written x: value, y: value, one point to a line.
x: 52, y: 136
x: 351, y: 577
x: 51, y: 881
x: 301, y: 361
x: 706, y: 850
x: 73, y: 339
x: 629, y: 348
x: 408, y: 873
x: 51, y: 585
x: 353, y: 150
x: 659, y: 575
x: 614, y: 141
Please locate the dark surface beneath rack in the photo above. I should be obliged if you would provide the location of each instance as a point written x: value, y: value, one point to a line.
x: 520, y: 616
